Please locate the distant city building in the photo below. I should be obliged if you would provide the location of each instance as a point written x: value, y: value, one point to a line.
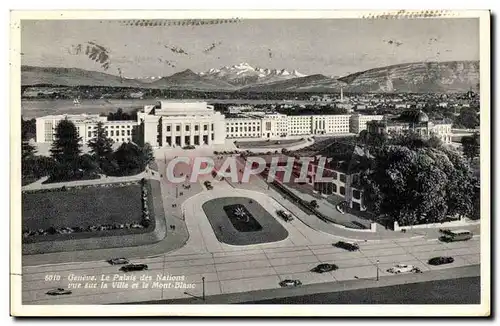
x: 358, y: 122
x: 239, y: 108
x: 86, y: 126
x: 415, y: 121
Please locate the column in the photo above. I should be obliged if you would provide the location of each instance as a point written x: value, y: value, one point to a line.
x: 182, y: 134
x: 191, y: 132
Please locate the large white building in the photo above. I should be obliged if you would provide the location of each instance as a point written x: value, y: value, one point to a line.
x: 179, y: 124
x: 86, y: 126
x: 278, y: 125
x: 358, y: 122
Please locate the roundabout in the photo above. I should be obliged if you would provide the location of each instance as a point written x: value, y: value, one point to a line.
x: 242, y: 221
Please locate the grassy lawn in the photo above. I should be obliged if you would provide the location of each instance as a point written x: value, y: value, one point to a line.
x: 268, y: 144
x: 255, y: 225
x: 83, y: 207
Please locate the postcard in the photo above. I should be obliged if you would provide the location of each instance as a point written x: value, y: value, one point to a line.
x: 250, y: 163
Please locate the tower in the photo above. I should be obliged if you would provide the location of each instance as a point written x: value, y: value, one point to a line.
x: 341, y: 94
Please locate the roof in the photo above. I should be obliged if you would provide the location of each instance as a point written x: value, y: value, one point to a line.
x: 413, y: 116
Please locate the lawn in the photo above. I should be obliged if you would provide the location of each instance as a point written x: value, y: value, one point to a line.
x: 268, y: 144
x: 242, y: 221
x: 82, y: 207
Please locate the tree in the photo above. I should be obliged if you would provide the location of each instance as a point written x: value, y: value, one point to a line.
x: 129, y: 159
x: 147, y: 154
x: 471, y: 146
x: 28, y: 129
x: 467, y: 118
x: 417, y: 185
x: 101, y: 145
x: 27, y: 150
x: 66, y: 147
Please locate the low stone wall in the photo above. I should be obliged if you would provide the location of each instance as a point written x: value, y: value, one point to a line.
x: 458, y: 223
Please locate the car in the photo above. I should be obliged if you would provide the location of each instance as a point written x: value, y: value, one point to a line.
x: 134, y: 267
x: 118, y: 261
x: 208, y: 185
x: 346, y: 245
x: 403, y: 268
x: 59, y: 291
x: 284, y: 215
x: 441, y: 260
x: 323, y: 268
x: 290, y: 283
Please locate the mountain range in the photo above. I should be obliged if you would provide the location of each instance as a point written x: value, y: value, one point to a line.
x: 420, y: 77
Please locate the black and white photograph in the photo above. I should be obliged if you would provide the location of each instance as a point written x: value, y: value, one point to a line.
x: 165, y: 161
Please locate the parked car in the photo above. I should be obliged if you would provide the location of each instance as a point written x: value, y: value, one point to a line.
x: 59, y: 291
x: 455, y: 235
x: 290, y: 283
x: 134, y: 267
x: 286, y: 216
x: 403, y: 268
x: 441, y: 260
x: 346, y: 245
x: 208, y: 185
x: 118, y: 261
x: 323, y: 268
x: 341, y: 207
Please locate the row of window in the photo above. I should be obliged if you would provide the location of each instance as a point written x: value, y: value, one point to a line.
x: 111, y: 133
x: 243, y: 123
x: 240, y: 129
x: 187, y: 140
x: 113, y: 127
x: 331, y: 188
x: 188, y: 128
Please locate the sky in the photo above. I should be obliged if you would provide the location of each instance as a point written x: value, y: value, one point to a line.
x: 333, y: 47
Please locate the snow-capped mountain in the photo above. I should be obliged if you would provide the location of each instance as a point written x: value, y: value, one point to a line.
x: 244, y: 74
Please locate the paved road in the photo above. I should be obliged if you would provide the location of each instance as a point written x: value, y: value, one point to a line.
x: 318, y: 289
x: 242, y: 270
x: 455, y: 291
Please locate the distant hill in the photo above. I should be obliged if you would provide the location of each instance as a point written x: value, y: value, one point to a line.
x: 289, y: 85
x: 420, y: 77
x: 72, y: 77
x: 187, y: 79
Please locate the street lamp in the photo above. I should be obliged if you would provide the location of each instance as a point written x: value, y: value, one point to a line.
x: 203, y: 283
x: 377, y: 268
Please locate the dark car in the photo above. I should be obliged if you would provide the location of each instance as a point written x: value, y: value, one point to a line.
x: 290, y: 283
x: 323, y: 268
x: 59, y: 291
x: 208, y: 185
x: 441, y: 260
x: 118, y: 261
x: 134, y: 267
x: 346, y: 245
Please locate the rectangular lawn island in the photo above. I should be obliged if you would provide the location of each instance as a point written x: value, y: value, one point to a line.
x: 90, y: 206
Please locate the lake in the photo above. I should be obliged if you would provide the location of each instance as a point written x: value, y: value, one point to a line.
x: 38, y: 108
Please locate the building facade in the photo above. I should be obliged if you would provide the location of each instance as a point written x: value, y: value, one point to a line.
x: 357, y: 122
x: 415, y: 121
x: 179, y: 124
x: 86, y: 127
x: 243, y: 127
x: 278, y: 125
